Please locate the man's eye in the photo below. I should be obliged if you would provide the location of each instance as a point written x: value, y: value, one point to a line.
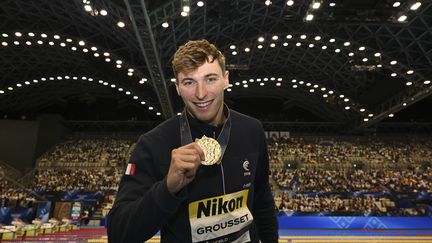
x: 212, y: 79
x: 187, y: 83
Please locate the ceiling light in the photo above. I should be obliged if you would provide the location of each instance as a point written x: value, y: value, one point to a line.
x: 410, y: 72
x: 93, y: 48
x: 396, y: 4
x: 362, y: 110
x: 337, y: 50
x: 415, y: 6
x: 324, y: 47
x: 311, y: 90
x: 379, y: 65
x: 16, y: 43
x: 234, y: 53
x: 351, y: 54
x: 332, y: 40
x: 427, y: 82
x: 347, y: 107
x: 366, y: 119
x: 200, y: 3
x: 247, y: 49
x: 370, y: 115
x: 316, y: 5
x: 303, y: 37
x: 309, y: 17
x: 311, y: 45
x: 31, y: 34
x: 409, y: 83
x: 298, y: 44
x: 143, y: 103
x: 323, y: 89
x: 365, y: 59
x: 295, y: 86
x: 103, y: 12
x: 402, y: 18
x: 87, y: 8
x: 150, y: 108
x: 260, y: 39
x: 232, y: 47
x: 183, y: 14
x: 18, y: 34
x: 5, y: 35
x: 121, y: 24
x: 285, y: 44
x: 268, y: 2
x: 57, y: 37
x: 317, y: 37
x: 272, y: 45
x: 275, y: 37
x: 394, y: 62
x: 332, y: 4
x: 81, y: 43
x: 341, y: 96
x: 261, y: 84
x: 260, y: 46
x: 289, y: 36
x: 165, y: 24
x: 278, y: 84
x: 290, y: 2
x: 393, y: 74
x: 347, y: 43
x: 362, y: 48
x: 44, y: 35
x: 325, y: 95
x: 377, y: 54
x: 391, y: 115
x: 186, y: 9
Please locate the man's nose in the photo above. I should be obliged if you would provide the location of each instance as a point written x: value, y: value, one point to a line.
x: 201, y: 91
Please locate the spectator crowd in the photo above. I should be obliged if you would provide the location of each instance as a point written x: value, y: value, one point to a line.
x: 307, y: 175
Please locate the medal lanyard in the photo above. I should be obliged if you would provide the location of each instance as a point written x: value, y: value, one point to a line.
x: 223, y: 138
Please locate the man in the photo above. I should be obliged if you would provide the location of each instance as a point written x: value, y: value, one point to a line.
x: 167, y: 188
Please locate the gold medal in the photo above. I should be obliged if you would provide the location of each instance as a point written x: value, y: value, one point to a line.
x: 212, y: 150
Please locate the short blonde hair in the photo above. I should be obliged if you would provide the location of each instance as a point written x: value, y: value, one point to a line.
x: 195, y: 53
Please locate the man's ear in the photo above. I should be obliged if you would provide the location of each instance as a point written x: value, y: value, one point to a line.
x: 226, y: 80
x: 177, y: 88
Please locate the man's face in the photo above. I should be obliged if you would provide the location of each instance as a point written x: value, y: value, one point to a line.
x: 202, y: 91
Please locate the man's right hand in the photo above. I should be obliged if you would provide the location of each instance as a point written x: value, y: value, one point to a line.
x: 185, y: 162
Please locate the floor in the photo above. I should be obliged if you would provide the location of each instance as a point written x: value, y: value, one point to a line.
x: 98, y: 235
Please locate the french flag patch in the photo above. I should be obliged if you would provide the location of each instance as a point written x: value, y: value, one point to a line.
x: 130, y: 169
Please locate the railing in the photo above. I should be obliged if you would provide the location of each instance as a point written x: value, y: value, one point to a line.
x: 10, y: 171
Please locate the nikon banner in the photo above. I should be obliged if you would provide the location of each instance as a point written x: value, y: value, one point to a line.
x: 225, y: 218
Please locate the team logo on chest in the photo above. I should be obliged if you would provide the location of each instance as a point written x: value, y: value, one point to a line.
x: 246, y: 168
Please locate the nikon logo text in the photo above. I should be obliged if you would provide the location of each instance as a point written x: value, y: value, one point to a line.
x: 218, y: 206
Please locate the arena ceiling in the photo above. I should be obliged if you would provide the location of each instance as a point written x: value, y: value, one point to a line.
x: 346, y: 61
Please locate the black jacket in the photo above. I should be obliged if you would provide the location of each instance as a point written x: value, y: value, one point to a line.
x: 144, y: 205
